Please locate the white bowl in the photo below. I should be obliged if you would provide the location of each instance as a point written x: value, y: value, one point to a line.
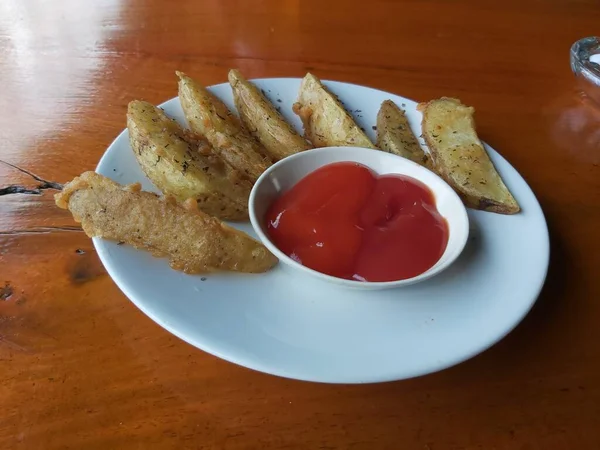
x: 283, y: 175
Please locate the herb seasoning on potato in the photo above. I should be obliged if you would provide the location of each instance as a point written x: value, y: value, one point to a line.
x: 184, y: 165
x: 263, y: 120
x: 395, y: 136
x: 209, y: 116
x: 460, y: 158
x: 326, y: 122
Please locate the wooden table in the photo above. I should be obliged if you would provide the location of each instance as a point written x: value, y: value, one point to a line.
x: 82, y: 368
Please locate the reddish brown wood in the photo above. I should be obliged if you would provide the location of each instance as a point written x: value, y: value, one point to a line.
x: 81, y: 367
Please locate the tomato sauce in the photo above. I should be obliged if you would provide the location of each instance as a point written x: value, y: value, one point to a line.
x: 345, y: 221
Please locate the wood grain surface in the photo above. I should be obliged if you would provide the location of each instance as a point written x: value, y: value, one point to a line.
x: 82, y: 368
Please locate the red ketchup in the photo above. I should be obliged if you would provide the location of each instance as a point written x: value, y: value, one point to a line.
x: 345, y: 221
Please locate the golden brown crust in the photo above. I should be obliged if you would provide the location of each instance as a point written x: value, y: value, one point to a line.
x: 395, y: 136
x: 265, y: 122
x: 193, y: 241
x: 460, y: 158
x: 208, y: 116
x: 326, y: 122
x: 184, y: 165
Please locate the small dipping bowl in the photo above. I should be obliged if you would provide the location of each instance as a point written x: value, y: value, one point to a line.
x: 283, y: 175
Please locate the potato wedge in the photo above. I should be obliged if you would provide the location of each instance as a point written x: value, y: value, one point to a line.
x: 183, y: 165
x: 459, y: 157
x: 326, y: 122
x: 193, y: 241
x: 263, y: 120
x: 395, y: 136
x: 210, y: 117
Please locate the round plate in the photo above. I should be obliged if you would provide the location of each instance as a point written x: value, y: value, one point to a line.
x: 290, y: 325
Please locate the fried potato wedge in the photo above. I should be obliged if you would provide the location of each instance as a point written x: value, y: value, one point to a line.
x: 193, y: 241
x: 263, y: 120
x: 395, y: 136
x: 210, y: 117
x: 326, y: 122
x: 185, y: 166
x: 460, y: 158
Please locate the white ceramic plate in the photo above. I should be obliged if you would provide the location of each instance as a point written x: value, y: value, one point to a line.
x: 295, y: 327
